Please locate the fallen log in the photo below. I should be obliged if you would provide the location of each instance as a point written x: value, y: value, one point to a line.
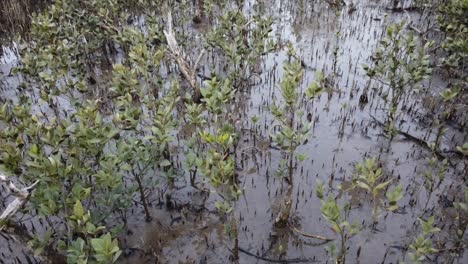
x: 22, y: 196
x: 187, y: 68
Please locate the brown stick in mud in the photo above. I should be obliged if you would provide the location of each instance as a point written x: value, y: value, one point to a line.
x: 188, y: 69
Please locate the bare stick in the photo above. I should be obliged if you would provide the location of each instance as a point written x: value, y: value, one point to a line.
x: 309, y: 235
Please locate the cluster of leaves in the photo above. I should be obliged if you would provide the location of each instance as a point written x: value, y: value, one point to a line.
x: 369, y: 178
x: 218, y: 163
x: 65, y: 37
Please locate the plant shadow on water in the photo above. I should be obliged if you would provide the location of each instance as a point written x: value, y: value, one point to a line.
x: 341, y: 203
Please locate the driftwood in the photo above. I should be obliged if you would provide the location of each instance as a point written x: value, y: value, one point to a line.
x: 22, y: 196
x: 187, y: 68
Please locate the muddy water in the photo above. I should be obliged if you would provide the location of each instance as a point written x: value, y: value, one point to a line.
x: 344, y: 133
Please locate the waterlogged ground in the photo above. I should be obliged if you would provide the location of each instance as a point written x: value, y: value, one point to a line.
x: 345, y: 132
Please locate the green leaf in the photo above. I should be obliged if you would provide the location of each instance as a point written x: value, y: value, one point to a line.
x: 382, y: 185
x: 78, y: 210
x: 165, y: 163
x: 363, y: 185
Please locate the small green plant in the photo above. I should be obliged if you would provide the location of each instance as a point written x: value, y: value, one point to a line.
x: 369, y: 178
x: 463, y: 149
x: 336, y: 217
x: 462, y: 216
x: 449, y: 98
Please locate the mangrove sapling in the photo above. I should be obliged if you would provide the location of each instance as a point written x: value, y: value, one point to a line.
x: 194, y: 117
x: 422, y: 247
x: 216, y: 97
x: 216, y: 161
x: 136, y: 156
x: 399, y: 65
x: 292, y: 131
x: 449, y: 97
x: 243, y: 42
x: 433, y: 177
x: 336, y: 216
x: 369, y: 178
x: 210, y: 6
x: 219, y: 167
x: 163, y: 124
x: 462, y: 217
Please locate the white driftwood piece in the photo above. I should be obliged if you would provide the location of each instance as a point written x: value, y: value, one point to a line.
x: 188, y: 70
x: 22, y: 196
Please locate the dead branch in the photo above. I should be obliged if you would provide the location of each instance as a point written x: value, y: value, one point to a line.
x: 419, y: 141
x: 187, y: 68
x: 296, y: 260
x: 22, y: 196
x: 409, y: 24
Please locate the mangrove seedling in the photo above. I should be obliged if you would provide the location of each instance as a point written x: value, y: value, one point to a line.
x: 336, y: 216
x: 422, y: 245
x: 293, y: 130
x: 369, y: 178
x: 399, y: 65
